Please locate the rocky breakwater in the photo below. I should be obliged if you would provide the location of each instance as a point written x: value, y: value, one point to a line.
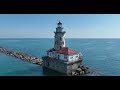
x: 81, y: 71
x: 22, y: 56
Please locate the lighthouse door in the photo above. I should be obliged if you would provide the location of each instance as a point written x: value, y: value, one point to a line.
x: 58, y: 56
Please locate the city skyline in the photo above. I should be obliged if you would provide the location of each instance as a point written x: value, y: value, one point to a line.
x: 75, y: 25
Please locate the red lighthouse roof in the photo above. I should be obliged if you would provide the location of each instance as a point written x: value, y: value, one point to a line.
x: 66, y: 50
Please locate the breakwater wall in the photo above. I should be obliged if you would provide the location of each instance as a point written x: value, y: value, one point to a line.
x: 22, y: 56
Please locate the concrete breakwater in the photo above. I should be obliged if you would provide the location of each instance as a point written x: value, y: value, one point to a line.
x: 21, y: 56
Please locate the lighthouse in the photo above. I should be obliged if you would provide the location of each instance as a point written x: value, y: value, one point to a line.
x: 59, y: 38
x: 62, y: 58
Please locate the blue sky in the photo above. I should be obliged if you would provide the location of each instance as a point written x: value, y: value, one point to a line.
x: 75, y: 25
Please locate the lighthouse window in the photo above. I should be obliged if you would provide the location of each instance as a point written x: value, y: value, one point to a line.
x: 76, y: 56
x: 60, y: 47
x: 60, y: 38
x: 65, y: 57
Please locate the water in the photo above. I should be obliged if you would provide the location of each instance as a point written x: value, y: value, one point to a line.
x: 101, y: 55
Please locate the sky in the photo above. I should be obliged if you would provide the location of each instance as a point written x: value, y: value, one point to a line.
x: 75, y: 25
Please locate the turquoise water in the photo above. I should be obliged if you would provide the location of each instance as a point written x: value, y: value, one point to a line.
x: 101, y: 55
x: 10, y: 66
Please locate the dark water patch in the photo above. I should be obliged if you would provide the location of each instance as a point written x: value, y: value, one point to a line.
x: 49, y: 72
x: 34, y: 71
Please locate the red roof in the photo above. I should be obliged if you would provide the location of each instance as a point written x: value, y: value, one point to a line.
x: 66, y: 50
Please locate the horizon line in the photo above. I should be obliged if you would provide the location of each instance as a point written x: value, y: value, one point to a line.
x: 66, y: 38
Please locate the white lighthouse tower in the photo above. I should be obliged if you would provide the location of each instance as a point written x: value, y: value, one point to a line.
x: 59, y: 37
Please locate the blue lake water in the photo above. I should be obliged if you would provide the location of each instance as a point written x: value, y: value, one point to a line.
x: 101, y: 55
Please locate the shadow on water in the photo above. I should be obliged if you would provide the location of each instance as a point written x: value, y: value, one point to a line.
x: 34, y: 72
x: 27, y: 72
x: 49, y: 72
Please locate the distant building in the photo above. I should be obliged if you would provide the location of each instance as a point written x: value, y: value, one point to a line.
x: 61, y: 58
